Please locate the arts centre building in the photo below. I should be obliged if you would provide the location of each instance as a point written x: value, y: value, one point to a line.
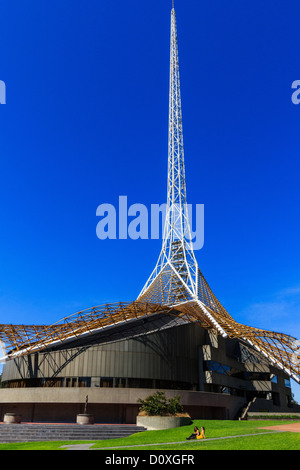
x: 175, y: 337
x: 216, y: 377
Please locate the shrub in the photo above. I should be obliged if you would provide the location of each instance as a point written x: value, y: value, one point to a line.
x: 158, y: 405
x: 174, y: 405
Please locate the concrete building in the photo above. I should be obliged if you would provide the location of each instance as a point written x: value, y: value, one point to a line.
x: 216, y: 378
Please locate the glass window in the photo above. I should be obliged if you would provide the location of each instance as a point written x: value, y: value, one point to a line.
x: 71, y: 382
x: 120, y: 382
x: 107, y: 382
x: 257, y: 376
x: 287, y: 383
x: 84, y: 381
x: 214, y: 366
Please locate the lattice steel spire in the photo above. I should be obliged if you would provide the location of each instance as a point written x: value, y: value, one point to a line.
x: 177, y: 250
x: 176, y: 277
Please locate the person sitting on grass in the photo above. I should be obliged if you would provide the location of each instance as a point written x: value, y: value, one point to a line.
x: 195, y: 434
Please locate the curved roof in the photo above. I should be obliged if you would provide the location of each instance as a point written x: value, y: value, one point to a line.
x: 114, y: 322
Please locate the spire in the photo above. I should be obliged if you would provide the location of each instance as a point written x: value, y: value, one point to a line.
x: 176, y: 277
x: 177, y: 251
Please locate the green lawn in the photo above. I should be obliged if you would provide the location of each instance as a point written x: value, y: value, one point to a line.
x: 214, y: 429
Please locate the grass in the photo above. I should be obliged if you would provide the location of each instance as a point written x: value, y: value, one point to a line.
x: 282, y: 441
x: 49, y: 445
x: 169, y: 438
x: 213, y: 429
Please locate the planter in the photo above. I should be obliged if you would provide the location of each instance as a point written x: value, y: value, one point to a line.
x: 154, y: 423
x: 12, y: 418
x: 85, y: 419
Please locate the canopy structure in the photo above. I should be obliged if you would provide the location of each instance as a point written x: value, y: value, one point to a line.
x: 113, y: 322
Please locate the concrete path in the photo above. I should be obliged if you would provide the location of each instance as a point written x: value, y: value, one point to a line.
x: 78, y: 446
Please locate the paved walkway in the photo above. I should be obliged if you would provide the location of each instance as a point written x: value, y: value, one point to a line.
x: 88, y: 446
x: 293, y: 427
x: 78, y: 446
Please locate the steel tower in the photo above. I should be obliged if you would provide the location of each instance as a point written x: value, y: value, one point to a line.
x: 177, y: 256
x: 176, y: 277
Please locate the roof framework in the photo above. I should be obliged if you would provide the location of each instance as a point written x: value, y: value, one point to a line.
x: 176, y: 287
x: 19, y: 340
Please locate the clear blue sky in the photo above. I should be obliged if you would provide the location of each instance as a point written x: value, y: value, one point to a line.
x: 86, y: 121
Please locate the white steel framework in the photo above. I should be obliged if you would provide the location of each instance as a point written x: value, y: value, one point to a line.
x: 177, y: 270
x: 177, y: 250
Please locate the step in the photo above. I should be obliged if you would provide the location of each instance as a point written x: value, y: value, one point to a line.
x: 29, y: 432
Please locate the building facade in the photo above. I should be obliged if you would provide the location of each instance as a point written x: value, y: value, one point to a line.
x: 216, y: 378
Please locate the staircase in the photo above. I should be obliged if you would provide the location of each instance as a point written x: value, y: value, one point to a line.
x: 246, y: 409
x: 34, y: 432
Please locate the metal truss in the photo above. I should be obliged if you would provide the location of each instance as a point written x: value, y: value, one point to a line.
x: 20, y: 340
x: 177, y: 257
x: 176, y: 276
x: 176, y: 288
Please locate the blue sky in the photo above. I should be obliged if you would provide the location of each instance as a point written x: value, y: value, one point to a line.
x: 86, y: 122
